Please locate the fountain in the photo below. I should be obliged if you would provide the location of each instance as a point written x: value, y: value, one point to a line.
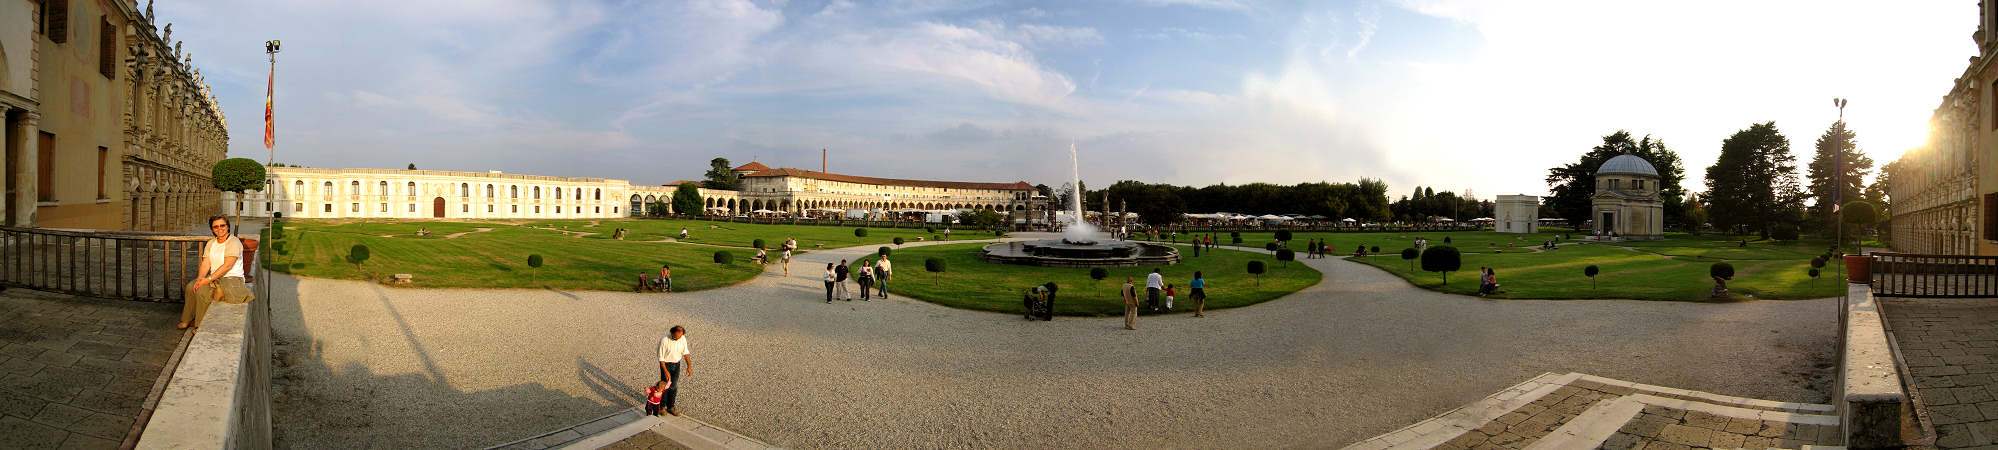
x: 1081, y: 245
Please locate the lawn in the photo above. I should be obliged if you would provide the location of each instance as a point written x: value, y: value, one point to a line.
x: 974, y: 284
x: 494, y: 259
x: 744, y: 234
x: 1675, y: 269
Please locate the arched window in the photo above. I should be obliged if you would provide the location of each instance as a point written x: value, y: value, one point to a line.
x: 513, y: 191
x: 558, y: 193
x: 464, y: 190
x: 326, y: 190
x: 489, y: 192
x: 537, y: 192
x: 412, y: 190
x: 600, y: 194
x: 298, y: 187
x: 383, y: 190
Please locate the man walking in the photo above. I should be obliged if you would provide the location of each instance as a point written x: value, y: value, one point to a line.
x: 882, y: 273
x: 1153, y: 284
x: 672, y: 354
x: 839, y: 282
x: 1130, y: 295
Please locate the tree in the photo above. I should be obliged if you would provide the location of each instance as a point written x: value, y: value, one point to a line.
x: 1444, y: 259
x: 237, y: 175
x: 1409, y: 255
x: 1286, y: 255
x: 1256, y: 268
x: 1753, y: 185
x: 656, y: 209
x: 1271, y: 247
x: 1591, y: 272
x: 357, y: 255
x: 1836, y: 142
x: 724, y: 257
x: 1283, y: 235
x: 1817, y: 263
x: 687, y: 199
x: 898, y: 241
x: 936, y: 266
x: 884, y: 250
x: 756, y: 243
x: 412, y: 166
x: 860, y: 232
x: 1572, y: 185
x: 1098, y: 274
x: 534, y: 263
x: 1858, y: 215
x: 722, y: 177
x: 984, y: 219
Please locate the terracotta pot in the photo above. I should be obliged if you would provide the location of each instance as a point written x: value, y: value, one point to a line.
x: 1858, y: 269
x: 249, y: 256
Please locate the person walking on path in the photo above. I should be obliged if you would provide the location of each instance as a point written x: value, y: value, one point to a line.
x: 221, y: 278
x: 1199, y: 294
x: 787, y: 261
x: 883, y: 271
x: 1153, y: 284
x: 673, y: 353
x: 1130, y: 294
x: 829, y: 282
x: 839, y: 281
x: 865, y: 278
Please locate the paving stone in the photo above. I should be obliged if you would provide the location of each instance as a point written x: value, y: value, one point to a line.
x: 116, y: 367
x: 1648, y: 425
x: 57, y: 358
x: 106, y: 402
x: 1704, y: 420
x: 1467, y: 440
x: 104, y: 425
x: 1492, y: 428
x: 85, y: 442
x: 1757, y: 442
x: 1983, y: 433
x: 1742, y: 426
x: 20, y: 351
x: 1507, y: 440
x: 21, y: 366
x: 20, y: 405
x: 60, y: 415
x: 1662, y: 445
x: 1971, y: 394
x: 136, y: 387
x: 1951, y: 414
x: 1726, y: 440
x: 1937, y: 397
x: 1660, y: 411
x: 106, y: 351
x: 16, y: 432
x: 1772, y: 429
x: 1687, y: 435
x: 1512, y: 418
x: 1623, y: 441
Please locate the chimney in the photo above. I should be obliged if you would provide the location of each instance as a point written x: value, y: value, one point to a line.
x: 822, y: 160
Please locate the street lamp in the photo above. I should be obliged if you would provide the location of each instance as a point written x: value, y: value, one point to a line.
x: 1838, y: 175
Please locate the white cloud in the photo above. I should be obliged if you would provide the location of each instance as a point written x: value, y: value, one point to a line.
x: 1055, y: 35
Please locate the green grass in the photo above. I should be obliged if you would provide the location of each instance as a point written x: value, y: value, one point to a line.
x: 1644, y: 272
x: 974, y: 284
x: 495, y: 259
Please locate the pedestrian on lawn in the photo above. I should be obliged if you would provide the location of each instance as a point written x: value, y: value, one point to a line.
x: 1130, y: 294
x: 1154, y: 284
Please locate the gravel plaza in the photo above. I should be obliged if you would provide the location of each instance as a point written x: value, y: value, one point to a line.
x: 1360, y: 354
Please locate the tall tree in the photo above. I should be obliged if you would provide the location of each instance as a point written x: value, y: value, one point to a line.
x: 687, y: 200
x: 1836, y: 141
x: 721, y: 176
x: 1570, y: 186
x: 1753, y: 185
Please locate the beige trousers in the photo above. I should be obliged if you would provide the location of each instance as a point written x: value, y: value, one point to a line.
x: 225, y: 290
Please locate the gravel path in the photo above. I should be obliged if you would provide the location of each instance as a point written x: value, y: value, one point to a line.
x: 1360, y: 354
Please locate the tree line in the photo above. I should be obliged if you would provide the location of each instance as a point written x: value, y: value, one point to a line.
x: 1161, y: 203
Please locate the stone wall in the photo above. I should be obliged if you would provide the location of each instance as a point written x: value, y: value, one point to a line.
x: 220, y: 395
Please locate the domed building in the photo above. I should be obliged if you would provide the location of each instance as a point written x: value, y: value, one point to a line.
x: 1626, y: 204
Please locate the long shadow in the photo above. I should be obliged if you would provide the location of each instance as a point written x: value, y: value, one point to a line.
x: 564, y: 294
x: 603, y: 383
x: 422, y: 354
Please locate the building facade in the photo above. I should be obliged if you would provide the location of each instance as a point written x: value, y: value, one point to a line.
x: 1626, y: 204
x: 1516, y: 214
x: 433, y: 194
x: 107, y: 124
x: 1942, y: 194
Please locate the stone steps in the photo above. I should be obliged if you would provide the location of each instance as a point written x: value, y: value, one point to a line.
x: 1586, y: 411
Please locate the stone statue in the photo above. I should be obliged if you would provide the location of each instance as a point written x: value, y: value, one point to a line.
x: 168, y: 37
x: 149, y: 10
x: 176, y: 47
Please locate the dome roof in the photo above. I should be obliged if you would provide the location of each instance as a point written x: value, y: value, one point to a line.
x: 1627, y: 165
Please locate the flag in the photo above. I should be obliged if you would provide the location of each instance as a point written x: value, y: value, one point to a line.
x: 270, y: 127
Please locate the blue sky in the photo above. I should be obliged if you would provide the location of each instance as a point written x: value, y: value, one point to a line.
x: 1481, y: 95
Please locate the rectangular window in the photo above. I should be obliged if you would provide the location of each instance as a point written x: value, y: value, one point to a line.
x: 55, y: 20
x: 1991, y: 216
x: 355, y: 208
x: 328, y: 208
x: 465, y: 208
x: 384, y: 207
x: 267, y: 206
x: 489, y: 208
x: 516, y: 209
x: 45, y: 168
x: 297, y: 207
x: 102, y: 155
x: 107, y: 48
x: 412, y: 207
x: 537, y: 210
x: 599, y: 210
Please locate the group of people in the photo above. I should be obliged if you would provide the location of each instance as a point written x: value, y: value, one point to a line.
x: 673, y: 354
x: 1156, y: 290
x: 1487, y: 282
x: 872, y: 275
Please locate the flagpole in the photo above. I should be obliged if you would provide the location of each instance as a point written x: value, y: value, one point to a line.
x: 270, y: 98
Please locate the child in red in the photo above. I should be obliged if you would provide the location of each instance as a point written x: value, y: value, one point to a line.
x: 652, y: 397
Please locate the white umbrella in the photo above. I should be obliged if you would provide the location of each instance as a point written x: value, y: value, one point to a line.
x: 1273, y: 217
x: 1348, y: 219
x: 764, y: 211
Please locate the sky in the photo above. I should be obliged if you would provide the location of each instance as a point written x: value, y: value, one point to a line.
x: 1456, y: 95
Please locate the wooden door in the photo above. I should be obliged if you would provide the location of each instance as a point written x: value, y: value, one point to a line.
x: 437, y: 207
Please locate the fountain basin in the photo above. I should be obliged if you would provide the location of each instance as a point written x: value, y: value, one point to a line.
x: 1059, y: 253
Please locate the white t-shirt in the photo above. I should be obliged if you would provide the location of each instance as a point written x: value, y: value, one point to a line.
x: 213, y: 254
x: 672, y: 350
x: 883, y: 266
x: 1154, y: 281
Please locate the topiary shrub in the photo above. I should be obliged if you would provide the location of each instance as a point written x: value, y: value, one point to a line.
x: 1446, y: 239
x: 534, y: 262
x: 357, y: 255
x: 756, y: 243
x: 1283, y: 235
x: 1814, y: 276
x: 929, y: 229
x: 1410, y: 254
x: 1098, y: 274
x: 1721, y: 271
x: 1374, y: 249
x: 1591, y: 272
x: 1235, y: 236
x: 860, y: 232
x: 724, y: 257
x: 935, y: 265
x: 1286, y: 255
x: 1272, y: 247
x: 883, y: 251
x: 1443, y: 259
x: 898, y: 241
x: 1256, y: 268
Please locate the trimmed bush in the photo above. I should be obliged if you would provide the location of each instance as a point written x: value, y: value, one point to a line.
x: 883, y: 251
x: 1721, y: 271
x: 1860, y: 212
x: 1410, y: 255
x: 860, y: 232
x: 1443, y: 259
x: 1098, y: 274
x: 357, y: 255
x: 756, y: 243
x: 1446, y: 239
x: 1814, y: 276
x: 936, y: 266
x: 724, y: 257
x: 1256, y: 268
x: 1286, y: 255
x: 1374, y: 249
x: 1591, y: 272
x: 898, y: 241
x: 929, y: 229
x: 1283, y: 235
x: 534, y: 262
x: 1272, y: 247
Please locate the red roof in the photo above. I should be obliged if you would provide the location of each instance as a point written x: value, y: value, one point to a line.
x: 801, y: 173
x: 753, y: 166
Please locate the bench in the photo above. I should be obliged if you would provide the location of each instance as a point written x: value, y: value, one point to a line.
x: 402, y: 278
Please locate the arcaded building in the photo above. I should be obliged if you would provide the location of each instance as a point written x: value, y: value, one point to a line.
x: 107, y: 124
x: 1627, y: 204
x: 1944, y: 199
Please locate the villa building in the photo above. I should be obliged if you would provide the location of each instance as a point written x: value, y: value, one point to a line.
x: 1944, y: 199
x: 1626, y: 204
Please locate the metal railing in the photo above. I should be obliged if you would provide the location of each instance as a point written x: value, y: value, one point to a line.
x: 136, y: 266
x: 1934, y: 276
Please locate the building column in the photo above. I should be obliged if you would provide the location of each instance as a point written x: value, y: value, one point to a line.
x: 24, y: 181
